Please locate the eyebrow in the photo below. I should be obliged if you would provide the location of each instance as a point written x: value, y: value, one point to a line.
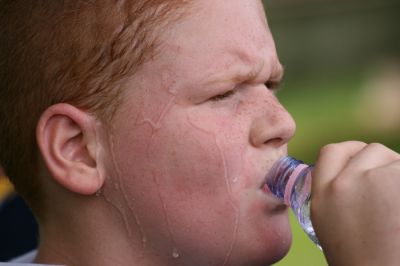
x: 243, y: 70
x: 275, y: 78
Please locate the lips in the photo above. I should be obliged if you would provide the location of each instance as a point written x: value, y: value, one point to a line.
x: 263, y: 184
x: 265, y: 188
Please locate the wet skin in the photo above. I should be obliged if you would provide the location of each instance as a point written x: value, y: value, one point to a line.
x: 193, y: 139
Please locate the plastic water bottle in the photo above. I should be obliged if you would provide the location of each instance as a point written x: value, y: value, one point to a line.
x: 290, y: 181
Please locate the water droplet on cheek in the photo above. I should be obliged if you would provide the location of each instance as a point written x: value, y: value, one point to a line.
x: 175, y: 253
x: 235, y: 179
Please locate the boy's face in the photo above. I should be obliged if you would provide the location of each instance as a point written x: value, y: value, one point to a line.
x: 195, y: 136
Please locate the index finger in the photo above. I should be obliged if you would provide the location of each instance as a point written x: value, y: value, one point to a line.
x: 331, y: 160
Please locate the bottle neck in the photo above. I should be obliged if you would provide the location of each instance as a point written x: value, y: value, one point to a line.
x: 283, y: 175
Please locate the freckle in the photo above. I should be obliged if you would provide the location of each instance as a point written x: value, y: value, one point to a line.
x: 227, y: 66
x: 274, y: 119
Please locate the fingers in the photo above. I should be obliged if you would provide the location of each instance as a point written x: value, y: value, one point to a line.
x: 395, y: 166
x: 373, y: 156
x: 354, y: 186
x: 332, y: 159
x: 350, y: 156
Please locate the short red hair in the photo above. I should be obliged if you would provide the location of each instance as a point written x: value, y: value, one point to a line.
x: 79, y: 52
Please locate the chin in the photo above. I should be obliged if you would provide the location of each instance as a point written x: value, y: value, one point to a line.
x: 277, y: 248
x: 281, y: 251
x: 267, y: 257
x: 276, y: 239
x: 268, y: 246
x: 272, y: 255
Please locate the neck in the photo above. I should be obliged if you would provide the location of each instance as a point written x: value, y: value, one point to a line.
x: 92, y: 233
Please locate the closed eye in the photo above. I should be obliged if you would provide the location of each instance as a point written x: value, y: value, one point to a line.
x: 223, y: 96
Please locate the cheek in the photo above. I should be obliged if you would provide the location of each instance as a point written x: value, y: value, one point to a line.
x: 184, y: 182
x: 180, y: 163
x: 227, y: 130
x: 190, y: 161
x: 186, y: 175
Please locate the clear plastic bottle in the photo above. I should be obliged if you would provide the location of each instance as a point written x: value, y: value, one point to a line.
x: 290, y: 181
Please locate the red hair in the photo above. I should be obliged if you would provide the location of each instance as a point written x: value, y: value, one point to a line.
x: 79, y: 52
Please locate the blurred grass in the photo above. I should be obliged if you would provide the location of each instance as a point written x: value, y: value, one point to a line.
x: 327, y: 110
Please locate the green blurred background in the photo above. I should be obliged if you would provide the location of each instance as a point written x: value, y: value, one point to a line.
x: 342, y: 80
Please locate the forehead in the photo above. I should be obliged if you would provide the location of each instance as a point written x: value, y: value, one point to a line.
x: 218, y: 42
x: 220, y: 32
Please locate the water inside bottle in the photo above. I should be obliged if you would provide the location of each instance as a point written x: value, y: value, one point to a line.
x: 290, y: 181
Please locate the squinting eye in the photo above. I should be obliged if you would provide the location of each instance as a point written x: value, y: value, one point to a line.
x: 223, y: 96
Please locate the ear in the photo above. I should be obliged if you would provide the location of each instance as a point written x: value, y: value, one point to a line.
x: 67, y: 139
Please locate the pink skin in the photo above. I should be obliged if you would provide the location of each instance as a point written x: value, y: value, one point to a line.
x: 186, y: 171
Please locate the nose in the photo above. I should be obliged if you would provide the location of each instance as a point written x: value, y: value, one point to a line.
x: 273, y: 124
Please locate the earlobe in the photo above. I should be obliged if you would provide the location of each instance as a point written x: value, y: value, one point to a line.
x: 67, y: 140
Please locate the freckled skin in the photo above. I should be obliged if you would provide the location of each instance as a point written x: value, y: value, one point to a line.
x: 190, y: 169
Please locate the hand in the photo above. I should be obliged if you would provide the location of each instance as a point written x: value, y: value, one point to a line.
x: 355, y: 204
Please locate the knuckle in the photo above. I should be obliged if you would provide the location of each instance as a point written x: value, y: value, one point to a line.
x: 383, y: 151
x: 329, y: 148
x: 341, y: 147
x: 354, y: 142
x: 377, y: 146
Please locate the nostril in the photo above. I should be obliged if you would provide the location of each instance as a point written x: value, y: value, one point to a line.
x: 275, y: 142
